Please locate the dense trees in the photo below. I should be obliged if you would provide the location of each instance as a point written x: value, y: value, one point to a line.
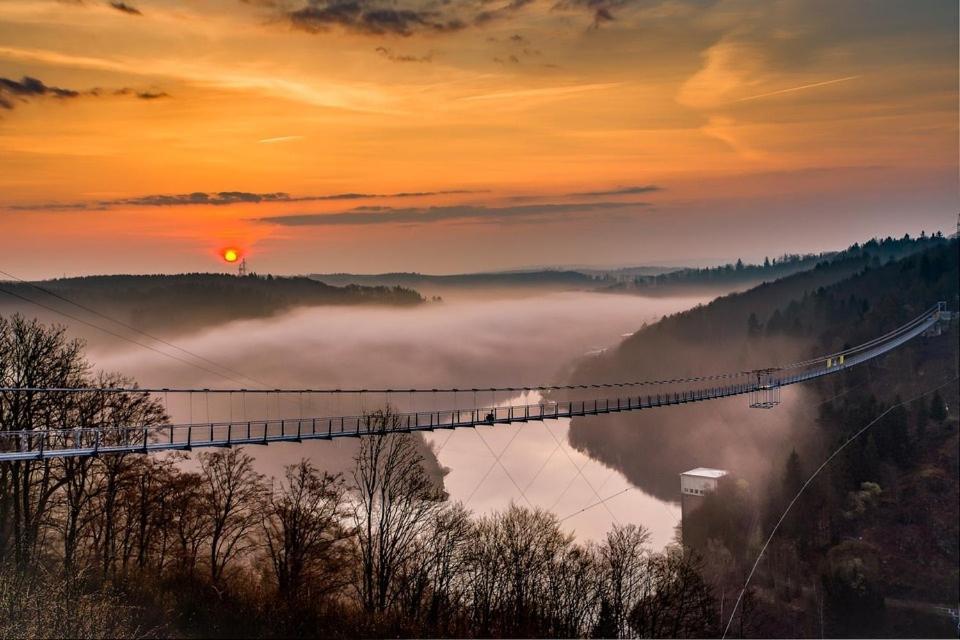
x: 303, y: 520
x: 739, y: 275
x: 145, y: 301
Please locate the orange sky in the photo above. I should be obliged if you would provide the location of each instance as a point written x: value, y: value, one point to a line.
x: 523, y: 132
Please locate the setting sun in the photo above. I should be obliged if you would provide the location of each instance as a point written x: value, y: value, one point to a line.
x: 231, y: 255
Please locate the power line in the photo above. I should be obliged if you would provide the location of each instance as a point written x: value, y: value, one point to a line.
x: 116, y: 335
x: 500, y: 462
x: 581, y: 474
x: 131, y: 327
x: 603, y: 501
x: 810, y: 480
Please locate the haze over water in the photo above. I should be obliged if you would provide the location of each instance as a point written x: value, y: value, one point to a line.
x: 468, y: 343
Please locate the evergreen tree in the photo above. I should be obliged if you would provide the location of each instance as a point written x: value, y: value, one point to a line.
x: 753, y: 326
x: 938, y: 408
x: 921, y: 417
x: 792, y: 476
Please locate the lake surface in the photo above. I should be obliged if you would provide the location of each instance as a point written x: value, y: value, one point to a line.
x: 533, y: 464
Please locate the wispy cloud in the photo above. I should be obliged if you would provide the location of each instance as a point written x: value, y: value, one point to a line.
x: 27, y: 88
x: 279, y: 139
x: 219, y: 198
x: 425, y: 215
x: 126, y: 8
x: 329, y: 94
x: 393, y: 56
x: 544, y: 92
x: 619, y: 191
x: 799, y: 88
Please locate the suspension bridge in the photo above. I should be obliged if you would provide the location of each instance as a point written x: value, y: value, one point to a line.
x: 309, y: 413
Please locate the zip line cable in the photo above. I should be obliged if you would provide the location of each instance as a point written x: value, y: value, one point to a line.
x: 810, y: 480
x: 131, y: 327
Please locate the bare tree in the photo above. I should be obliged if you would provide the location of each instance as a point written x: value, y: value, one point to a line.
x: 517, y: 562
x: 302, y: 527
x: 622, y: 563
x: 675, y: 602
x: 232, y: 492
x: 394, y: 501
x: 431, y: 593
x: 31, y: 356
x: 188, y: 520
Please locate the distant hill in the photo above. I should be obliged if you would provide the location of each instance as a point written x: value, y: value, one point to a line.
x: 526, y: 279
x: 520, y: 281
x: 176, y: 303
x: 740, y: 276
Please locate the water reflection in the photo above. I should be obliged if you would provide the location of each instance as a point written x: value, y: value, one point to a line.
x: 533, y: 464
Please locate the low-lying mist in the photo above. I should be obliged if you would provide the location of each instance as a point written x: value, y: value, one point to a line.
x: 468, y: 343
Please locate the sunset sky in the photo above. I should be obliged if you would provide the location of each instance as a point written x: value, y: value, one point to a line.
x: 448, y: 135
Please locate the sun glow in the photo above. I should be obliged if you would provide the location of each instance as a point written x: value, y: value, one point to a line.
x: 231, y: 255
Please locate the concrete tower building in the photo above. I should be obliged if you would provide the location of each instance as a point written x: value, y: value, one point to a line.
x: 694, y: 486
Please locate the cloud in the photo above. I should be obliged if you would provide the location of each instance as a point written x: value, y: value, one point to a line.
x: 543, y: 92
x: 152, y: 95
x: 802, y: 87
x: 410, y: 17
x: 390, y: 55
x: 424, y: 215
x: 602, y: 10
x: 126, y: 8
x: 490, y: 15
x: 619, y: 191
x: 27, y: 88
x: 279, y: 139
x: 372, y: 17
x: 221, y: 198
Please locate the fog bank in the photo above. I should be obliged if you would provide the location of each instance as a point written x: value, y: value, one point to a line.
x: 467, y: 343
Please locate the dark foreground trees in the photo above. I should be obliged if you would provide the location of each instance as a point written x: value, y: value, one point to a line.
x: 134, y: 545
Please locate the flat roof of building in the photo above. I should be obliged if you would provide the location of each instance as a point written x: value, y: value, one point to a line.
x: 704, y: 472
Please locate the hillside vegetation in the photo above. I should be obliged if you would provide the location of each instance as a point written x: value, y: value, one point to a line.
x: 176, y: 303
x: 739, y: 276
x: 873, y: 543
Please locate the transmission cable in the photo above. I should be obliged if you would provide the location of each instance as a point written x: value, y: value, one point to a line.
x: 116, y: 335
x: 131, y: 327
x: 809, y: 480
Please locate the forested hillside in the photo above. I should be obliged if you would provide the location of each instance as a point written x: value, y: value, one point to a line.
x: 773, y: 323
x: 176, y: 303
x: 738, y: 276
x: 872, y: 545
